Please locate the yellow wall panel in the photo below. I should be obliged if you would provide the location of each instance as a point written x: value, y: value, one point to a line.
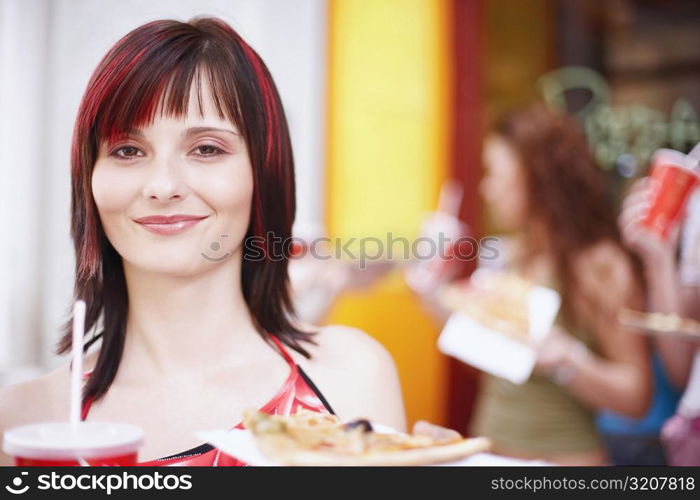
x: 388, y: 123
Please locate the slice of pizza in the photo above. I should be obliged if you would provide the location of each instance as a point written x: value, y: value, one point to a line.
x: 497, y: 300
x: 310, y: 438
x: 659, y: 322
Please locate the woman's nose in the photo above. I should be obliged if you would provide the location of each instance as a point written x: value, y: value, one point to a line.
x: 164, y: 180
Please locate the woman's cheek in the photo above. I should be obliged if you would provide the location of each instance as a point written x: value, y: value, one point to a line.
x: 235, y: 214
x: 111, y: 189
x: 113, y: 194
x: 230, y: 193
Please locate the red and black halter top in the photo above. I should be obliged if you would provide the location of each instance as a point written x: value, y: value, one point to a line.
x: 298, y: 391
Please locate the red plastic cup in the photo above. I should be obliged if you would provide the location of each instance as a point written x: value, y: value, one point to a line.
x: 675, y: 179
x: 52, y: 444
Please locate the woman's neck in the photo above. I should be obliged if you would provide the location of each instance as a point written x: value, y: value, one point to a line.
x: 192, y: 325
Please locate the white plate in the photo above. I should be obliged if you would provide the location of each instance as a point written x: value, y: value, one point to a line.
x: 472, y: 343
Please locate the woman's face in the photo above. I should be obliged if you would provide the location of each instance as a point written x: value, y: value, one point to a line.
x: 502, y: 186
x: 195, y: 168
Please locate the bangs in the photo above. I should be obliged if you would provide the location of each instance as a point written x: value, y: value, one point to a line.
x: 139, y: 82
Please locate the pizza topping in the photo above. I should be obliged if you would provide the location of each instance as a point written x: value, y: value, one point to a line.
x: 497, y: 300
x: 362, y: 423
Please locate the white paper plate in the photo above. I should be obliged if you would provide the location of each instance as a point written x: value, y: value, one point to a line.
x: 472, y: 343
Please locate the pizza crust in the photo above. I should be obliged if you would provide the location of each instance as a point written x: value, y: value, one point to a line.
x: 418, y: 456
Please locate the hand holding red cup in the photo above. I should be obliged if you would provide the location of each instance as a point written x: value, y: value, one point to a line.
x: 675, y: 176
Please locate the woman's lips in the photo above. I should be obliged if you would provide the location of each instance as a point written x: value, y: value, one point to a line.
x: 169, y: 225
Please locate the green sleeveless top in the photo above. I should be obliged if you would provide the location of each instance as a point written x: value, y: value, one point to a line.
x: 539, y: 416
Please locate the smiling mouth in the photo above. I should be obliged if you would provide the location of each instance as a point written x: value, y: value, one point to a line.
x: 164, y: 226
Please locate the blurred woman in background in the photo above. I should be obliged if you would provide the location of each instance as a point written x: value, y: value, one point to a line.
x: 673, y: 287
x: 542, y: 185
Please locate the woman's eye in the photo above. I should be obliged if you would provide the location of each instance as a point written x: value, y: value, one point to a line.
x: 208, y: 150
x: 127, y: 152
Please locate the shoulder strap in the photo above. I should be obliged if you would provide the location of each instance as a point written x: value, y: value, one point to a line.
x: 283, y: 350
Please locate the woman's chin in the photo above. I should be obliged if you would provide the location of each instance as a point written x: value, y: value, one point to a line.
x: 175, y: 268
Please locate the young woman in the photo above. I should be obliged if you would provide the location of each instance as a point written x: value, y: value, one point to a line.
x: 542, y: 188
x: 182, y: 169
x: 673, y: 288
x: 542, y: 185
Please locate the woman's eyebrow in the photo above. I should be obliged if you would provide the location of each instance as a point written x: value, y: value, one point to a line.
x: 197, y: 130
x: 185, y: 133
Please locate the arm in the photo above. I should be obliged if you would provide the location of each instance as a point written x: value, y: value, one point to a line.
x: 690, y: 300
x: 431, y: 305
x: 665, y: 296
x: 6, y: 411
x: 618, y: 379
x: 15, y: 407
x: 36, y: 400
x: 661, y: 273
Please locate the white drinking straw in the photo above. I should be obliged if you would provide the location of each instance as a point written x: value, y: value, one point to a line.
x: 77, y: 366
x: 450, y: 197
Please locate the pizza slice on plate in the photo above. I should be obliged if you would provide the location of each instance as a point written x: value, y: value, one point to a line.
x: 496, y: 300
x: 310, y: 438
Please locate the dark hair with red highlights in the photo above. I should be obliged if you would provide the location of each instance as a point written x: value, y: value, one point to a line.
x: 567, y: 191
x: 154, y: 67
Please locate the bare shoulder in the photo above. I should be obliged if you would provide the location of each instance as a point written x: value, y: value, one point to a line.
x: 356, y: 374
x: 31, y: 401
x: 607, y: 277
x: 19, y: 401
x: 36, y: 399
x: 41, y: 398
x: 606, y: 265
x: 604, y: 252
x: 340, y: 345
